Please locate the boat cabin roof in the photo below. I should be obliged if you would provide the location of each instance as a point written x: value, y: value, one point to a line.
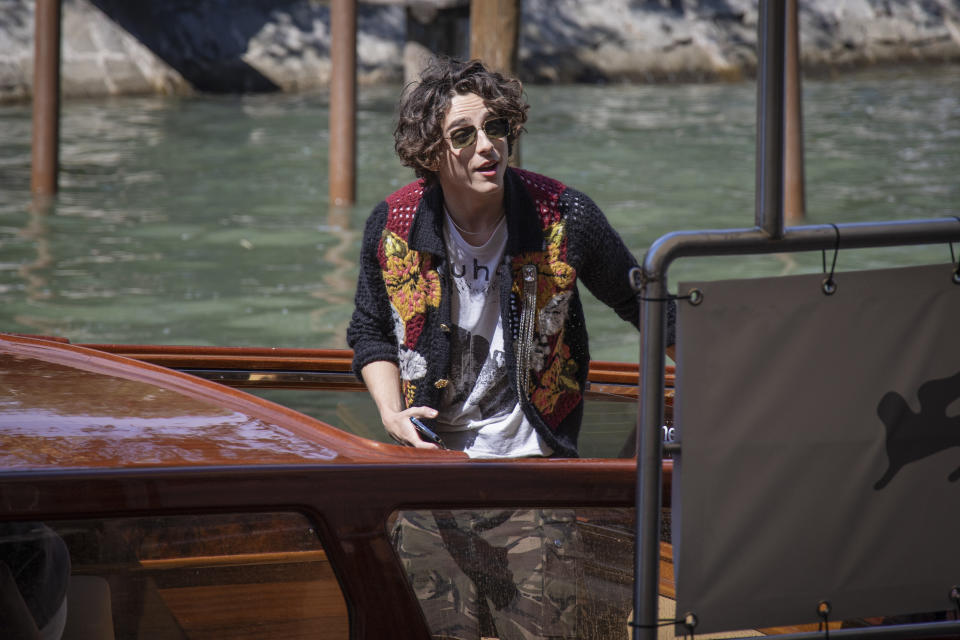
x: 65, y: 406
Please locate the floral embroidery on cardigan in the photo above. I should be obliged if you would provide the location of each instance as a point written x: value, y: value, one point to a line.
x: 408, y: 391
x: 553, y: 274
x: 411, y: 283
x: 558, y: 382
x: 553, y: 369
x: 413, y: 286
x: 553, y: 388
x: 565, y: 251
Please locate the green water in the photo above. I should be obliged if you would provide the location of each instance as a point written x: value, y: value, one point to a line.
x: 205, y: 221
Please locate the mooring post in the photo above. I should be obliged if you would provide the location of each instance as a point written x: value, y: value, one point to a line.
x: 794, y: 207
x: 495, y: 33
x: 495, y: 38
x: 343, y: 102
x: 46, y: 98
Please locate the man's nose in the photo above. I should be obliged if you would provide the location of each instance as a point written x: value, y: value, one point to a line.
x: 484, y: 143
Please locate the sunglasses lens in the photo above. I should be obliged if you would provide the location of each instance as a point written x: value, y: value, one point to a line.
x: 494, y: 129
x: 463, y: 137
x: 497, y: 128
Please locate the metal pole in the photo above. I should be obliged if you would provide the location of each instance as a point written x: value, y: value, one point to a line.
x: 853, y: 235
x: 914, y: 631
x: 343, y: 102
x: 794, y: 197
x: 770, y: 117
x: 657, y: 260
x: 647, y: 541
x: 46, y: 98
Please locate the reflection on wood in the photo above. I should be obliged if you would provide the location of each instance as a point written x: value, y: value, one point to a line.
x: 330, y: 368
x: 76, y: 407
x: 234, y: 560
x: 312, y: 609
x: 256, y: 575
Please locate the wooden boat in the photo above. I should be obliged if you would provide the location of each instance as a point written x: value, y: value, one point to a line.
x: 197, y: 510
x: 193, y: 510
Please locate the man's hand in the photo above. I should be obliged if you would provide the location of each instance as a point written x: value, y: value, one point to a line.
x: 383, y: 382
x: 399, y: 427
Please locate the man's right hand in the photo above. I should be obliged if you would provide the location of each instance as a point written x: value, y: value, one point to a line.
x: 383, y: 381
x: 399, y: 427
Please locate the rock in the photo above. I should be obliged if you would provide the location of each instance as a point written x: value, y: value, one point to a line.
x: 178, y: 46
x: 569, y: 40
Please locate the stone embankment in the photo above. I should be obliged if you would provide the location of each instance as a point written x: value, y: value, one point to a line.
x: 180, y: 46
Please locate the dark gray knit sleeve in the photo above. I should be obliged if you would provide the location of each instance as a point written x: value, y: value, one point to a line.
x: 603, y: 261
x: 370, y: 333
x: 598, y: 253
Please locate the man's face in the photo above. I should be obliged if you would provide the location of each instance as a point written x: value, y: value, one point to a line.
x: 477, y: 169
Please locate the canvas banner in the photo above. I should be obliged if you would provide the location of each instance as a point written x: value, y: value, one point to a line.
x: 820, y: 441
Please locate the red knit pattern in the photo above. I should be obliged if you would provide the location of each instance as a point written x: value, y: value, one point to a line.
x: 545, y: 193
x: 381, y: 254
x: 413, y: 329
x: 401, y: 205
x: 565, y: 404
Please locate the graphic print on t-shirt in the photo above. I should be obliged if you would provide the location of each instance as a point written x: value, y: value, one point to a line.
x: 480, y: 387
x: 476, y: 276
x: 479, y: 375
x: 479, y: 412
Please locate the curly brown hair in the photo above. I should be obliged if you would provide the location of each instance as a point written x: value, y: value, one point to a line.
x: 423, y: 106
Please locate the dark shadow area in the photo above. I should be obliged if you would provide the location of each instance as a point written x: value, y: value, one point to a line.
x: 443, y: 31
x: 203, y: 40
x: 715, y: 9
x: 915, y: 436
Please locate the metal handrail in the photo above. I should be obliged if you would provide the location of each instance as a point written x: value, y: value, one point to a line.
x: 768, y: 236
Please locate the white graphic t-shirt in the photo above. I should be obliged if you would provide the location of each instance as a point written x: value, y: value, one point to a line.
x: 479, y: 412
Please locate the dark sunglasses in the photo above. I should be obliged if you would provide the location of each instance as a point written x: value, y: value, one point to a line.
x: 494, y: 128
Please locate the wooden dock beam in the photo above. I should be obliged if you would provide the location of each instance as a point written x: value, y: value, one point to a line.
x: 343, y: 102
x: 45, y: 143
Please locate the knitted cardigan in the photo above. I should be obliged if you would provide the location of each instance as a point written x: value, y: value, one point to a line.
x: 555, y: 235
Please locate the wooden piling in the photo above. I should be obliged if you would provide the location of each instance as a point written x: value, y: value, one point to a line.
x: 343, y: 102
x: 495, y: 39
x: 794, y: 206
x: 495, y: 33
x: 46, y: 98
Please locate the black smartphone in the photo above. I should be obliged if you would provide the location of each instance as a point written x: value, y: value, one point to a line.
x: 426, y: 432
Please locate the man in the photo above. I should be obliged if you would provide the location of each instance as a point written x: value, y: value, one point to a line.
x: 467, y: 312
x: 468, y: 317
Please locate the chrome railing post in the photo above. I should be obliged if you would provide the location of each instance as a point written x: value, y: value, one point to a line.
x: 647, y: 541
x: 771, y: 47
